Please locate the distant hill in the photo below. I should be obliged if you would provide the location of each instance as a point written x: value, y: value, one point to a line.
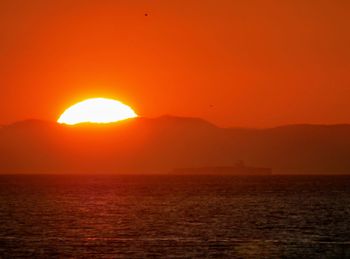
x: 159, y: 145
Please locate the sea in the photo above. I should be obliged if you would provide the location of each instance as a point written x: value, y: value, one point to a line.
x: 164, y: 216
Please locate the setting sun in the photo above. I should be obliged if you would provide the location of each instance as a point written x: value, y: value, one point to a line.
x: 96, y: 110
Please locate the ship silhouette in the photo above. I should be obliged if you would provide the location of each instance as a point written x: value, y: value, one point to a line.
x: 238, y: 169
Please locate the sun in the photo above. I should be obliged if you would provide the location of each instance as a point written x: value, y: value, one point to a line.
x: 96, y: 110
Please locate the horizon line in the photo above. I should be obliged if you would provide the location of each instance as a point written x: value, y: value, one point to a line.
x: 178, y: 117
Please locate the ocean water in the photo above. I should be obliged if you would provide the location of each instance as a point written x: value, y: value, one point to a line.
x: 174, y: 217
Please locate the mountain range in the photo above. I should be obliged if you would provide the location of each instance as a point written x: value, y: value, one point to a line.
x: 144, y: 145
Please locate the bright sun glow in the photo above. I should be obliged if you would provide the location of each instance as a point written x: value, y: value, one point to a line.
x: 96, y: 110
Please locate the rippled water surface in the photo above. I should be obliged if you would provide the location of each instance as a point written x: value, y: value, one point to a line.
x: 174, y: 217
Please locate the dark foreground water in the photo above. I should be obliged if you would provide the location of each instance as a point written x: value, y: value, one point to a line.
x: 174, y: 217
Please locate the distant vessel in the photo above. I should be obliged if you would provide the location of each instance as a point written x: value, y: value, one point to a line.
x: 238, y: 169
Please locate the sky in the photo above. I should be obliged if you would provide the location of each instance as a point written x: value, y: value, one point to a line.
x: 238, y: 63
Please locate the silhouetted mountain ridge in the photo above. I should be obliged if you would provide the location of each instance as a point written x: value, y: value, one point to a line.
x: 144, y: 145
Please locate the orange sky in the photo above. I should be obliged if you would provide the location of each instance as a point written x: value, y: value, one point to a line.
x: 232, y: 62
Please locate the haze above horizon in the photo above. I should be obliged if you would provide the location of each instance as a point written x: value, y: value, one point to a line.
x: 233, y: 63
